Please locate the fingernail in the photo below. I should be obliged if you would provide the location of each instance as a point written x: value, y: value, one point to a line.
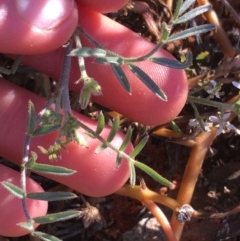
x: 44, y: 14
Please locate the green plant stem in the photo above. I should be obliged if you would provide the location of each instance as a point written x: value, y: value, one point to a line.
x: 216, y: 104
x: 197, y: 115
x: 25, y: 159
x: 23, y: 174
x: 96, y: 43
x: 93, y: 133
x: 81, y: 61
x: 110, y: 53
x: 43, y: 111
x: 176, y: 14
x: 62, y: 97
x: 144, y: 57
x: 63, y: 94
x: 122, y: 153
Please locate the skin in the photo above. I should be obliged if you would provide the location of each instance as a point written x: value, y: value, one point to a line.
x: 39, y: 37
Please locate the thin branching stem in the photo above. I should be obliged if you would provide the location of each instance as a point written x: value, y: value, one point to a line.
x: 95, y: 42
x: 81, y: 61
x: 64, y: 97
x: 63, y: 94
x: 25, y: 159
x: 23, y: 181
x: 102, y: 140
x: 216, y: 104
x: 43, y: 111
x: 110, y: 53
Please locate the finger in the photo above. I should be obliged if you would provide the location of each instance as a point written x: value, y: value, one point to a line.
x: 11, y: 207
x: 30, y: 27
x: 96, y: 174
x: 104, y: 6
x: 142, y: 105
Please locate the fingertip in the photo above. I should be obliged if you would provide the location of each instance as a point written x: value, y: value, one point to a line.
x: 11, y: 207
x: 104, y: 6
x: 32, y: 27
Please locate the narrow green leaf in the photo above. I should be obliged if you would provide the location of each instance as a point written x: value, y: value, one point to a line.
x: 100, y: 148
x: 175, y: 127
x: 191, y: 32
x: 50, y: 169
x: 147, y: 81
x: 193, y: 13
x: 43, y: 150
x: 15, y: 190
x: 171, y: 63
x: 114, y: 129
x: 166, y: 30
x: 32, y: 160
x: 27, y: 225
x: 126, y: 139
x: 153, y: 174
x: 111, y: 135
x: 109, y: 60
x: 52, y: 196
x: 80, y: 140
x: 88, y: 52
x: 121, y: 77
x: 56, y: 217
x: 45, y: 236
x: 132, y: 173
x: 177, y: 10
x: 186, y: 4
x: 34, y: 155
x: 119, y: 159
x: 31, y: 118
x: 43, y: 130
x: 139, y: 147
x: 101, y: 123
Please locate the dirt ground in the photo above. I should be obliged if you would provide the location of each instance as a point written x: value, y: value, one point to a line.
x: 218, y: 186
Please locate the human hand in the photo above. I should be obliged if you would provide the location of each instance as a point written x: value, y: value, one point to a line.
x: 42, y: 47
